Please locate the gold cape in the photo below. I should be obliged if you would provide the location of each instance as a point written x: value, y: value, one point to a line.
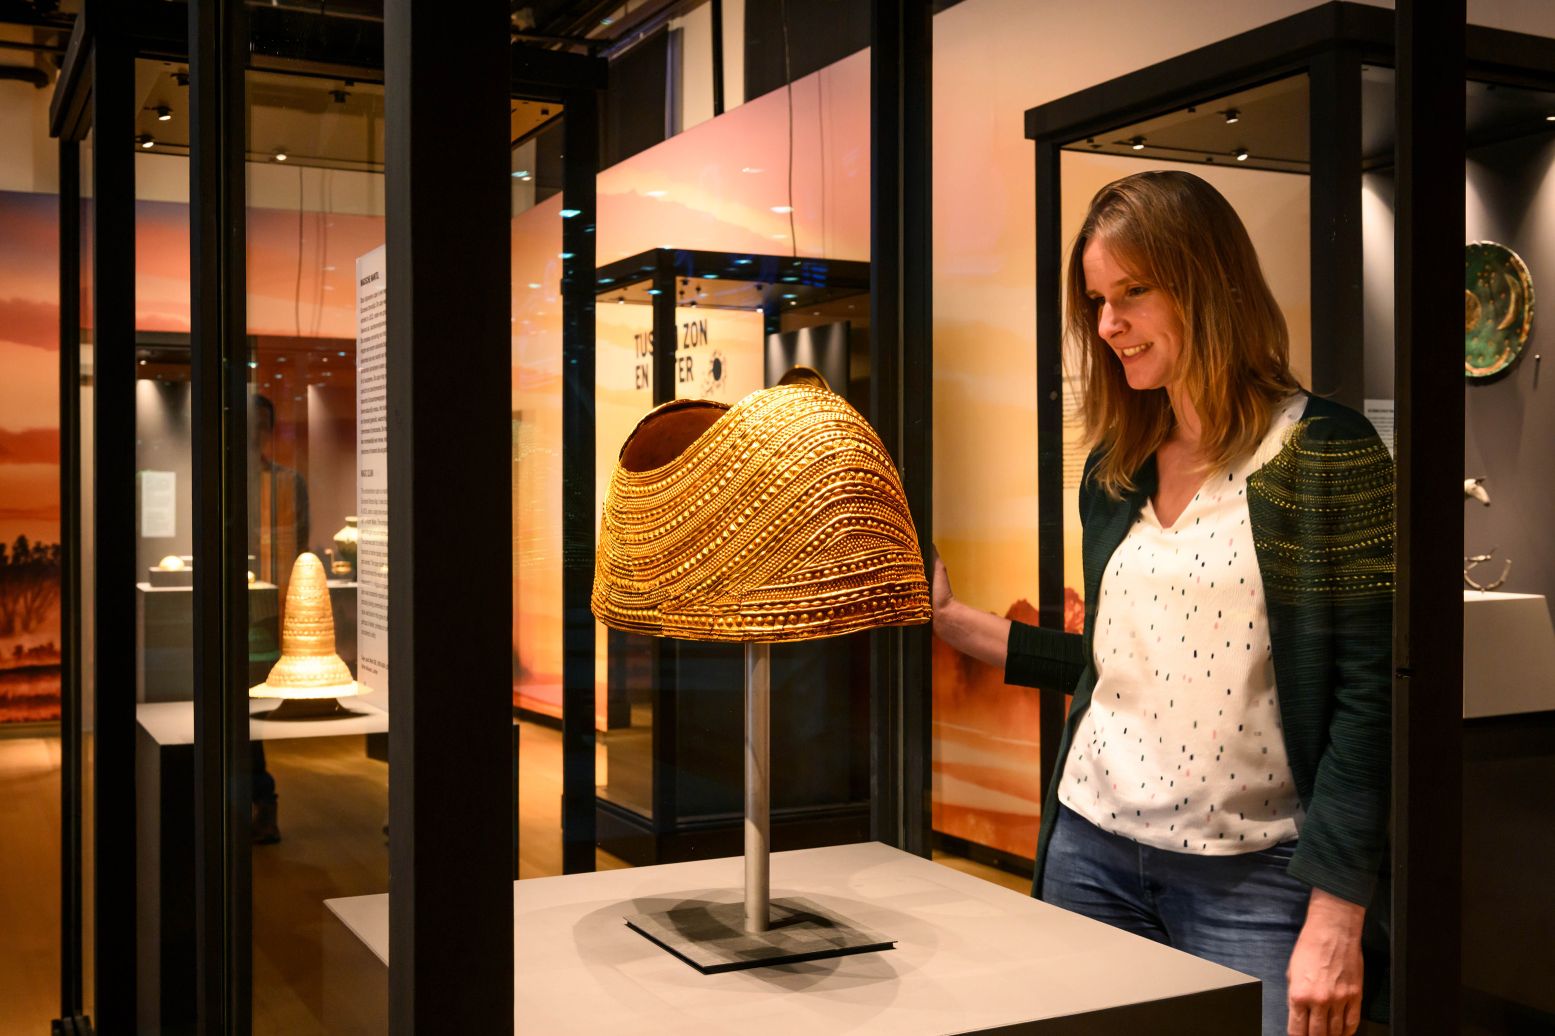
x: 778, y: 518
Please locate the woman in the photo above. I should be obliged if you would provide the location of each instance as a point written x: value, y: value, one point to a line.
x: 1222, y: 780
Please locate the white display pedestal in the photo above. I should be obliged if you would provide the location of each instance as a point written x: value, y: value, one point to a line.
x: 1508, y: 654
x: 970, y: 957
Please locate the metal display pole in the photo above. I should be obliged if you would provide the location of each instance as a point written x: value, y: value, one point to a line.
x: 712, y: 932
x: 758, y: 785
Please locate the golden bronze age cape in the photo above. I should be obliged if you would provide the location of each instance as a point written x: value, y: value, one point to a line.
x: 778, y: 518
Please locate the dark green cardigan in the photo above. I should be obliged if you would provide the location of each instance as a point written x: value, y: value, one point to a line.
x: 1322, y: 519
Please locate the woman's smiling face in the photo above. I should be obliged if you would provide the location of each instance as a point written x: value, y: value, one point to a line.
x: 1136, y: 320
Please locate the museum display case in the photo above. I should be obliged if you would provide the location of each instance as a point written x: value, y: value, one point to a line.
x: 672, y: 708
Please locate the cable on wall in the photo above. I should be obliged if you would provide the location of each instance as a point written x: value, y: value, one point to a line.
x: 788, y: 87
x: 297, y: 291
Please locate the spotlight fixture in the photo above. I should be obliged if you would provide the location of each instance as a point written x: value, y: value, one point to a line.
x: 164, y: 113
x: 1550, y: 117
x: 145, y: 141
x: 181, y: 78
x: 338, y: 96
x: 280, y: 154
x: 782, y: 209
x: 1241, y: 154
x: 1137, y: 143
x: 1232, y: 116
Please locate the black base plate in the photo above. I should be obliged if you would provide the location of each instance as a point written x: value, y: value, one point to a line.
x: 711, y: 937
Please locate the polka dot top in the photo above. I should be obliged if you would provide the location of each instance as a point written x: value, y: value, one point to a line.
x: 1181, y: 747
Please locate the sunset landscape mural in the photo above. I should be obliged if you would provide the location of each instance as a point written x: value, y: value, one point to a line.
x: 29, y: 457
x: 299, y: 289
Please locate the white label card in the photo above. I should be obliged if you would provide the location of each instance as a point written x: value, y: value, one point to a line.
x: 1380, y: 413
x: 372, y: 473
x: 158, y: 504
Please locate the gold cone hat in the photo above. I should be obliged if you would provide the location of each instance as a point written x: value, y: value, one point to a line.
x: 309, y: 666
x: 778, y: 518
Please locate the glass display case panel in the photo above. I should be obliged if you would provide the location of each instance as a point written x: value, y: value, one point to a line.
x: 87, y: 574
x: 740, y: 322
x: 1247, y: 145
x: 163, y: 680
x: 538, y: 620
x: 719, y: 355
x: 742, y: 183
x: 1252, y: 145
x: 316, y: 530
x: 35, y: 546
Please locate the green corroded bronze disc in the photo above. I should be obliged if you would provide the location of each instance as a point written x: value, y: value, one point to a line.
x: 1498, y: 308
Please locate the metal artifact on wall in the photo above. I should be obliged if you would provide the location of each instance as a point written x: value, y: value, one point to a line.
x: 1474, y: 489
x: 1498, y: 308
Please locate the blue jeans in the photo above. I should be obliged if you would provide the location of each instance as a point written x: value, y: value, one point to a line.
x: 1241, y: 911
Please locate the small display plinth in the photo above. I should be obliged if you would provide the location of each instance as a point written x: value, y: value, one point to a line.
x: 711, y: 936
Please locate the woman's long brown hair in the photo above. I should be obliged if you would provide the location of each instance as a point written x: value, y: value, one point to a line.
x: 1179, y: 235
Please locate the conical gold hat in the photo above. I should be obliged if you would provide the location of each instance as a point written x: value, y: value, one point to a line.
x: 309, y: 666
x: 779, y: 518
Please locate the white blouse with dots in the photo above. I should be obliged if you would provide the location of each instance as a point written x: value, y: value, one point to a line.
x: 1181, y: 747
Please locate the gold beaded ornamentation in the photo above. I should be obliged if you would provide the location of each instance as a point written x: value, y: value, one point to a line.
x: 783, y: 520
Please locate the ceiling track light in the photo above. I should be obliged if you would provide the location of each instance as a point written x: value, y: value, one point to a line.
x: 280, y: 154
x: 1241, y: 154
x: 164, y: 113
x: 145, y: 140
x: 1232, y: 116
x: 1137, y: 143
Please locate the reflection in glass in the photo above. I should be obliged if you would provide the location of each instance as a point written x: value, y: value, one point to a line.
x: 87, y: 571
x: 320, y: 783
